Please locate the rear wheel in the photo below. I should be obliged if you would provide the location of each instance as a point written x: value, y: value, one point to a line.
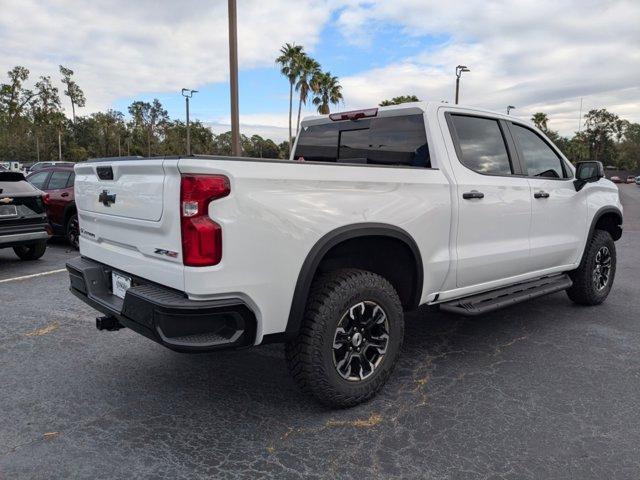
x: 30, y: 252
x: 73, y: 231
x: 350, y: 338
x: 593, y: 279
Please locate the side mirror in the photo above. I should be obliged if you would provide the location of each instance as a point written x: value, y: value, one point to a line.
x: 588, y: 172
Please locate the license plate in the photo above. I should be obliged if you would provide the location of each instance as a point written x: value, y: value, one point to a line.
x: 8, y: 211
x: 120, y: 284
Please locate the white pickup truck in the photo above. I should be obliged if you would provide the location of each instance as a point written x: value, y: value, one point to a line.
x: 377, y: 212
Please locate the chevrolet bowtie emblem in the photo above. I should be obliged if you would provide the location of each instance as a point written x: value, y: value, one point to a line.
x: 107, y: 198
x: 6, y: 200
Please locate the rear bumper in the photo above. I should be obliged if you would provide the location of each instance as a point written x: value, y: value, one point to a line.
x: 15, y: 235
x: 162, y: 314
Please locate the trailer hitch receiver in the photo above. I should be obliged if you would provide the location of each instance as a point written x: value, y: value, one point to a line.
x: 110, y: 324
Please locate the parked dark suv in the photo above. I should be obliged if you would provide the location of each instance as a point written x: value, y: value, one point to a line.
x: 23, y: 223
x: 57, y: 183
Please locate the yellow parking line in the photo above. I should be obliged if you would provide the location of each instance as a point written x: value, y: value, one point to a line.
x: 26, y: 277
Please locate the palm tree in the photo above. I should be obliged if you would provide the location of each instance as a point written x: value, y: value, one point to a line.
x: 308, y: 70
x: 326, y: 90
x: 540, y: 120
x: 288, y: 61
x: 399, y: 100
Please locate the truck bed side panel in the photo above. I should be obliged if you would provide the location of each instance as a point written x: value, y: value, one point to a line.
x: 277, y: 211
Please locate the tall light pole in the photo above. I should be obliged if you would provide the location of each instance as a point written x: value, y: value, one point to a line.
x: 509, y: 108
x: 233, y: 74
x: 580, y: 117
x: 187, y: 94
x: 459, y: 70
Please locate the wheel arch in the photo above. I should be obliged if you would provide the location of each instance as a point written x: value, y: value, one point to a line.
x: 343, y: 236
x: 608, y: 219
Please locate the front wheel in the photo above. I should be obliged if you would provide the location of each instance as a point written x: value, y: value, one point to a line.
x: 593, y: 279
x: 350, y: 338
x: 30, y: 252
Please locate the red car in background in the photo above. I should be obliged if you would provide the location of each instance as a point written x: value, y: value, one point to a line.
x: 57, y: 183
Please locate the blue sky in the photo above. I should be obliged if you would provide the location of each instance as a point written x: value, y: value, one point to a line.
x: 537, y: 55
x: 265, y: 90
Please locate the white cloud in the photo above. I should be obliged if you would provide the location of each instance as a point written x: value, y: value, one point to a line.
x: 536, y: 55
x: 542, y: 55
x: 122, y: 48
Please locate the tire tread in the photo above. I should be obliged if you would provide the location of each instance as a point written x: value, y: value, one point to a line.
x: 303, y: 355
x: 582, y: 291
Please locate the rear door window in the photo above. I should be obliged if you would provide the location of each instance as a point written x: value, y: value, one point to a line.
x: 539, y: 158
x: 39, y: 179
x: 482, y: 147
x: 398, y: 140
x: 58, y: 180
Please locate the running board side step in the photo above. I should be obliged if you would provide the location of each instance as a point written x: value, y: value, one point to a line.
x: 506, y: 296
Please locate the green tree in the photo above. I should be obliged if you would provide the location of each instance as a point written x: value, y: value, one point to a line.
x: 540, y: 120
x: 73, y: 91
x: 47, y: 117
x: 629, y: 147
x: 110, y: 125
x: 288, y: 60
x: 308, y: 70
x: 283, y: 147
x: 602, y: 127
x: 259, y: 147
x: 16, y: 128
x: 399, y: 100
x: 147, y: 117
x: 289, y: 67
x: 174, y: 134
x: 13, y: 96
x: 327, y: 91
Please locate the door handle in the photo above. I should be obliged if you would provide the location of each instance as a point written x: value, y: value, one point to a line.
x: 472, y: 194
x: 65, y: 194
x: 541, y: 194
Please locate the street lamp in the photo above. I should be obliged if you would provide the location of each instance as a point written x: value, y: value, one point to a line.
x: 459, y: 70
x: 187, y: 94
x: 509, y: 108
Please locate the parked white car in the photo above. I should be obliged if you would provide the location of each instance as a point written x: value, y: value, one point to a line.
x: 377, y: 212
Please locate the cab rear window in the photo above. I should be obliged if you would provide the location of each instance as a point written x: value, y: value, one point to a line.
x: 378, y: 141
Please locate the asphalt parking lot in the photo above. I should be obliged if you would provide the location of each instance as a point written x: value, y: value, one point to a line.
x: 542, y: 390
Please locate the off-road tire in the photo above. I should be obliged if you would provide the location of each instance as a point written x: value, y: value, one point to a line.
x: 583, y: 290
x: 30, y: 252
x: 310, y: 356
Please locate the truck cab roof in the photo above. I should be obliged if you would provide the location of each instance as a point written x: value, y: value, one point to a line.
x: 408, y: 108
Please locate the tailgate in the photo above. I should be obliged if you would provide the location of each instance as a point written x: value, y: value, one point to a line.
x: 129, y: 189
x: 129, y: 214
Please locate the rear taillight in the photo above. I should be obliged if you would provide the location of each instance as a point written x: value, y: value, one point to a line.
x: 201, y: 236
x: 45, y: 198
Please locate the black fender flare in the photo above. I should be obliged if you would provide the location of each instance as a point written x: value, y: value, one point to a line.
x: 600, y: 213
x: 328, y: 241
x: 594, y: 221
